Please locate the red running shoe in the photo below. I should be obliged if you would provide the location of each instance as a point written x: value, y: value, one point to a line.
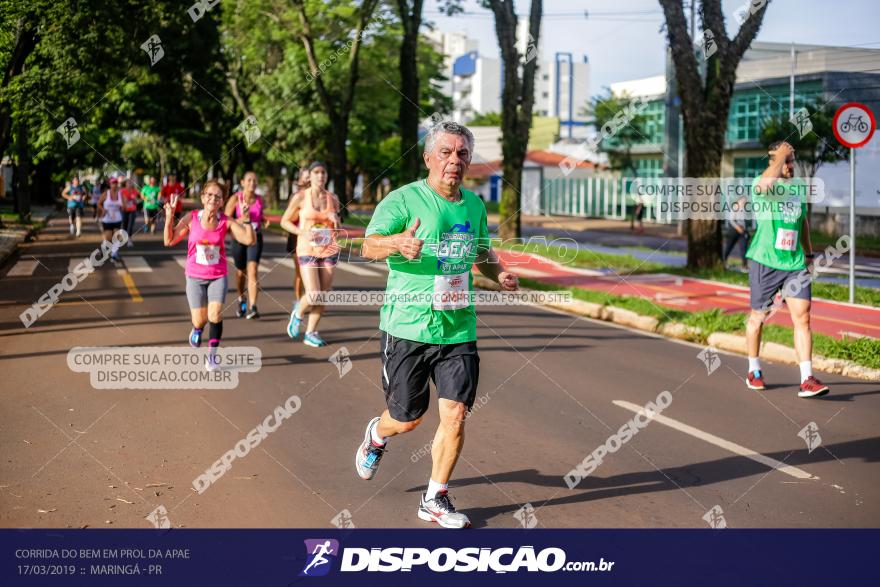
x: 756, y: 381
x: 812, y: 387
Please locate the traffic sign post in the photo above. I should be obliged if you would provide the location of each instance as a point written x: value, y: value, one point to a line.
x: 853, y: 126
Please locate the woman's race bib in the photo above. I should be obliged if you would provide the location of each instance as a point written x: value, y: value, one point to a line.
x: 255, y: 226
x: 451, y: 292
x: 207, y: 254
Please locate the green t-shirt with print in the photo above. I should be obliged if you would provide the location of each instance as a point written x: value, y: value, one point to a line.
x: 779, y: 214
x: 151, y: 196
x: 429, y: 299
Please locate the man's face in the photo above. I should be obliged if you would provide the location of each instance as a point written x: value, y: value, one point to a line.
x: 152, y: 181
x: 449, y: 160
x: 172, y: 179
x: 788, y: 167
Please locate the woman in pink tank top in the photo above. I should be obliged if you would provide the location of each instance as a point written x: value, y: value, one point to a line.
x: 247, y: 259
x: 316, y: 248
x: 206, y: 261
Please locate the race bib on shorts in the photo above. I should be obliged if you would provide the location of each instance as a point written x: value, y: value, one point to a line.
x: 207, y: 254
x: 451, y: 292
x: 320, y: 237
x: 256, y: 226
x: 786, y: 240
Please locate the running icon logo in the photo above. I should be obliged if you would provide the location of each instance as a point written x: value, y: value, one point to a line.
x: 320, y: 555
x: 153, y: 48
x: 69, y: 132
x: 810, y: 434
x: 710, y: 358
x: 715, y: 518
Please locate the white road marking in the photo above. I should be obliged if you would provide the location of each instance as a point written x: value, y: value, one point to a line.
x: 720, y: 442
x: 73, y: 263
x: 137, y: 264
x: 180, y: 261
x: 22, y: 269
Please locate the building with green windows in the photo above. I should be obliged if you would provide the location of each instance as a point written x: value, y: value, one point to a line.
x: 836, y: 74
x: 833, y: 74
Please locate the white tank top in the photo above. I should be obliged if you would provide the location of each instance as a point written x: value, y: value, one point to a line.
x: 112, y: 208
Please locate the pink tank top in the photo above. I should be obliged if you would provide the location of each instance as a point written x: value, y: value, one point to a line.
x: 255, y: 211
x: 206, y: 250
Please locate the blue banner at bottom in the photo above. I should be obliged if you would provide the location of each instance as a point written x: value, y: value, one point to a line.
x: 393, y: 557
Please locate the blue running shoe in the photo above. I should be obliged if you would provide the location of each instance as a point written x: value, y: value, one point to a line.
x: 195, y: 338
x: 314, y: 339
x: 295, y: 322
x: 242, y: 308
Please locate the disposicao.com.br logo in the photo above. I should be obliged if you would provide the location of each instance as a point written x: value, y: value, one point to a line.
x: 322, y: 553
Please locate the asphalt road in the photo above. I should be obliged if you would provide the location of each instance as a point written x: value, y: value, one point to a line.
x: 553, y: 388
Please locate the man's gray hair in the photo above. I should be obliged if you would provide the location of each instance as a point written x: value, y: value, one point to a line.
x: 447, y: 127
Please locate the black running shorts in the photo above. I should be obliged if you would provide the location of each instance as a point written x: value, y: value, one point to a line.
x: 407, y: 365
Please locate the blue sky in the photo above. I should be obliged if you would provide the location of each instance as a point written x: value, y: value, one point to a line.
x: 623, y: 40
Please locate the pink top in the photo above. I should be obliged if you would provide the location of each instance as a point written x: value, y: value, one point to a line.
x: 206, y: 250
x: 255, y: 211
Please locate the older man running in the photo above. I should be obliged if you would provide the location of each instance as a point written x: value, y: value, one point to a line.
x: 430, y: 232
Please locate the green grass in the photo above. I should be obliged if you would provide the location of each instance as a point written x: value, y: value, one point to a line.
x: 863, y: 351
x: 865, y: 245
x: 585, y: 258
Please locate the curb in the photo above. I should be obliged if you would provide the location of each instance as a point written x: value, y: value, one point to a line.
x: 10, y: 239
x: 734, y: 343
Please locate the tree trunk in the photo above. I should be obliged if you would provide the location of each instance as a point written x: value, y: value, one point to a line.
x: 23, y: 193
x: 517, y: 98
x: 409, y: 111
x: 704, y: 235
x: 338, y: 168
x: 706, y: 102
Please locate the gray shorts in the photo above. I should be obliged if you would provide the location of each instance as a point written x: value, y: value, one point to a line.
x: 201, y: 291
x: 765, y: 282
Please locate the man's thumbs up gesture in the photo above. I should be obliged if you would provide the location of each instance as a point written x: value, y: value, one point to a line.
x: 407, y: 244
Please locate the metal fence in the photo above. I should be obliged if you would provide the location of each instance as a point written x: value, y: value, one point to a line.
x: 594, y: 197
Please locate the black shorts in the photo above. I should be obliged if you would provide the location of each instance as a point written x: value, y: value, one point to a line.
x: 242, y: 255
x: 111, y: 225
x: 151, y: 213
x: 407, y: 365
x: 765, y: 282
x: 74, y: 213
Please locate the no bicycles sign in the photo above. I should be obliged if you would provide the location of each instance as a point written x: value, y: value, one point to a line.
x: 853, y: 125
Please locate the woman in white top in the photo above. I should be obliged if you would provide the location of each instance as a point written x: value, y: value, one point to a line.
x: 110, y: 208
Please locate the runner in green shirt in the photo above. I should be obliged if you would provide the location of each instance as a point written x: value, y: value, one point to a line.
x: 150, y: 195
x: 777, y: 264
x: 431, y: 232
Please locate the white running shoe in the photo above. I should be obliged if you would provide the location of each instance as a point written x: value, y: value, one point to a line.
x: 441, y: 511
x: 212, y: 363
x: 368, y: 455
